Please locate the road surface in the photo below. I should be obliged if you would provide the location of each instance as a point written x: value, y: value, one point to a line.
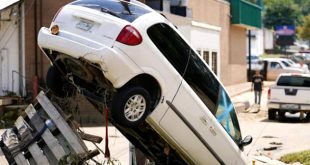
x: 284, y: 136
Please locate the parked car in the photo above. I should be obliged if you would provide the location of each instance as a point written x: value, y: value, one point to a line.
x: 126, y: 55
x: 289, y: 95
x: 291, y: 63
x: 299, y: 58
x: 299, y: 65
x: 254, y: 58
x: 256, y: 63
x: 276, y: 66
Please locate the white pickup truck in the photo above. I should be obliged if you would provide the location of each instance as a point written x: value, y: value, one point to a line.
x: 290, y: 94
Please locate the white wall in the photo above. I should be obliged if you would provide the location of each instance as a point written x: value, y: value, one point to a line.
x: 263, y: 40
x: 269, y: 39
x: 8, y: 54
x: 257, y: 43
x: 203, y: 37
x: 185, y: 31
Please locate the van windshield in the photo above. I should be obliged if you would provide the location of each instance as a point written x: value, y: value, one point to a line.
x: 294, y: 81
x: 128, y: 11
x: 200, y: 78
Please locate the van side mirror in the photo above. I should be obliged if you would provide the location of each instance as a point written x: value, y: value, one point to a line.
x: 246, y: 141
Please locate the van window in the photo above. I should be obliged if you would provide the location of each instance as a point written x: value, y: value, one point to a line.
x: 226, y: 115
x: 122, y: 9
x: 294, y: 81
x: 197, y: 75
x: 286, y: 63
x: 275, y: 65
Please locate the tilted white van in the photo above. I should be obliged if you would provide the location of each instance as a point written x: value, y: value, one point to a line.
x: 144, y: 69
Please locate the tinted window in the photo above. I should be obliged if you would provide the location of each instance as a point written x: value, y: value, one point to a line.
x: 197, y: 75
x: 286, y: 64
x: 275, y: 65
x: 121, y: 9
x: 295, y: 81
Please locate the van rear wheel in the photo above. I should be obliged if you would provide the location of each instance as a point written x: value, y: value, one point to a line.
x: 130, y: 106
x: 281, y: 114
x: 271, y: 114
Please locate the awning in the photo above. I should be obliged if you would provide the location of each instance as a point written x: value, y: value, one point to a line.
x: 7, y: 3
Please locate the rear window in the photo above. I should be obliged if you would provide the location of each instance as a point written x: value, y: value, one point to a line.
x: 286, y: 64
x: 296, y: 81
x: 128, y: 11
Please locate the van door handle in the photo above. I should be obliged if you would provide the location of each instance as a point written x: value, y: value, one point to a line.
x: 212, y: 130
x: 204, y: 120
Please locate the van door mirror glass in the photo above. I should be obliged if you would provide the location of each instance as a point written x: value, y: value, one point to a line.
x: 246, y: 141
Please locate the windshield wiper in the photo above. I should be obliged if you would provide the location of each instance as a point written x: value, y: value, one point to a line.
x: 106, y: 10
x: 126, y: 7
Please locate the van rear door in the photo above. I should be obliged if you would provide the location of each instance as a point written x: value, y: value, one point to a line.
x: 191, y: 120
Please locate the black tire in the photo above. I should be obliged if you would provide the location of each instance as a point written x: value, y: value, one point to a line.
x: 308, y: 116
x: 271, y: 114
x: 124, y: 99
x: 57, y: 84
x: 281, y: 114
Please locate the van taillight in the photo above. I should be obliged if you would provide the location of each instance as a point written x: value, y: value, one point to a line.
x: 56, y: 14
x: 129, y: 36
x: 269, y: 93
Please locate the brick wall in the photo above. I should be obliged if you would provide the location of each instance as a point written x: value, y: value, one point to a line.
x: 39, y: 13
x: 232, y: 39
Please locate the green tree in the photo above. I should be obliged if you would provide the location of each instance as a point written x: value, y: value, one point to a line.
x: 305, y: 7
x: 281, y: 12
x: 304, y: 30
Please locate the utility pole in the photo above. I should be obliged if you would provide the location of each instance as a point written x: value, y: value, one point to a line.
x: 250, y: 57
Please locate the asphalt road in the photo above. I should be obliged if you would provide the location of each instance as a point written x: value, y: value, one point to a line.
x: 272, y: 138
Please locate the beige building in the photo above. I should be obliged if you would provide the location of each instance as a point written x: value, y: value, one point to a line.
x: 230, y: 20
x: 233, y: 38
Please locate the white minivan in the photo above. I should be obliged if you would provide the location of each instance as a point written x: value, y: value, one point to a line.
x: 130, y: 57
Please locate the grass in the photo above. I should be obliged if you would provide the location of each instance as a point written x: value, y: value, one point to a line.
x: 8, y: 118
x: 271, y: 56
x: 302, y: 157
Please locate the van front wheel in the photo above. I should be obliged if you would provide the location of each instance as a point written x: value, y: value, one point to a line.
x: 271, y: 114
x: 130, y: 106
x: 57, y: 84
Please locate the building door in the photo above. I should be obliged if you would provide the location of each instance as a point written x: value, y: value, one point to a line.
x: 4, y: 72
x: 9, y: 53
